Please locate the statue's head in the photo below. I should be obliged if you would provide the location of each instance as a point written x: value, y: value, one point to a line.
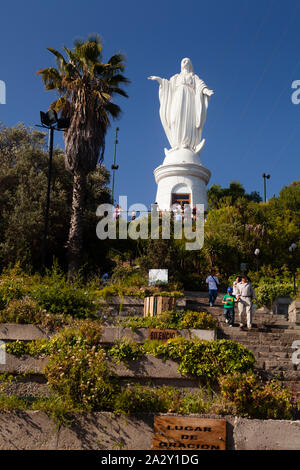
x: 186, y: 64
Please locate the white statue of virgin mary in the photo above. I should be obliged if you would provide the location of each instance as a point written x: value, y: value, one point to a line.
x: 183, y: 107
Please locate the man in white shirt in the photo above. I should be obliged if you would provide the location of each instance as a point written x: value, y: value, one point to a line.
x: 213, y: 283
x: 245, y: 294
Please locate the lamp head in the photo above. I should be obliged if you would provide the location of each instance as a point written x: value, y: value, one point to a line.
x: 49, y: 119
x: 63, y: 123
x: 293, y: 247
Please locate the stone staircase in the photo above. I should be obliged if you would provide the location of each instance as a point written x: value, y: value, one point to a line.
x: 270, y: 339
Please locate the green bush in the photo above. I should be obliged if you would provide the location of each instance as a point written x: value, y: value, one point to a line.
x: 168, y: 319
x: 125, y: 350
x: 173, y: 319
x: 80, y: 375
x: 27, y: 311
x: 59, y: 296
x: 17, y: 348
x: 20, y: 311
x: 201, y: 401
x: 250, y: 398
x: 143, y: 399
x: 11, y: 289
x: 207, y: 360
x: 267, y: 293
x: 198, y: 320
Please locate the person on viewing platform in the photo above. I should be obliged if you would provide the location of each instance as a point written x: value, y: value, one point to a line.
x: 213, y: 283
x: 117, y: 211
x: 178, y: 215
x: 245, y: 296
x: 229, y: 301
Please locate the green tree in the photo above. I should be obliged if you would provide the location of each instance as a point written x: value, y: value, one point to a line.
x: 86, y: 86
x: 23, y: 183
x: 218, y: 196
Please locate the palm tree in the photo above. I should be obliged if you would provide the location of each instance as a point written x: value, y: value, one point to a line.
x: 85, y: 86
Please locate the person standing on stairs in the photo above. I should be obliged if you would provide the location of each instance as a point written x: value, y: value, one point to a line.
x: 245, y: 295
x: 228, y: 301
x: 213, y: 283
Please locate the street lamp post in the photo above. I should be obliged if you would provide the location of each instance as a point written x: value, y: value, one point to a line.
x: 114, y: 167
x: 265, y: 176
x: 51, y: 122
x: 256, y: 252
x: 292, y: 250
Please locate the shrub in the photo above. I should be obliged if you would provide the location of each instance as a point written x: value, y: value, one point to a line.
x: 129, y: 276
x: 125, y: 350
x: 63, y: 297
x: 80, y: 375
x: 173, y: 319
x: 267, y: 293
x: 20, y: 311
x: 200, y: 402
x: 17, y: 348
x: 250, y: 398
x: 207, y: 360
x: 143, y: 399
x: 11, y: 289
x: 168, y: 319
x: 198, y: 320
x: 108, y: 291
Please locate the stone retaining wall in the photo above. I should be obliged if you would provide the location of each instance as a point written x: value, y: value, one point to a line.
x: 34, y: 430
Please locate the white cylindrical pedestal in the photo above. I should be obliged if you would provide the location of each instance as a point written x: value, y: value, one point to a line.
x: 182, y: 172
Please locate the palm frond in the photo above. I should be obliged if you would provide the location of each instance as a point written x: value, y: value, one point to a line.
x: 95, y: 37
x: 57, y: 54
x: 119, y: 91
x: 113, y: 109
x: 118, y: 59
x: 51, y: 78
x: 90, y: 51
x: 74, y: 58
x: 118, y: 78
x: 98, y: 68
x: 60, y: 104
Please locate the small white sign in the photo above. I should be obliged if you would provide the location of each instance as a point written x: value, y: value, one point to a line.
x: 158, y: 276
x: 2, y: 353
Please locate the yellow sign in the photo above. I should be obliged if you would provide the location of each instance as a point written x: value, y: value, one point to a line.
x: 172, y: 433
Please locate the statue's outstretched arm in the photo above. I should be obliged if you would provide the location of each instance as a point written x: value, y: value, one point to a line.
x: 207, y: 91
x: 153, y: 77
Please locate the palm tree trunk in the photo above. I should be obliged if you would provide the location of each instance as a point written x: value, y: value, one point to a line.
x: 76, y: 224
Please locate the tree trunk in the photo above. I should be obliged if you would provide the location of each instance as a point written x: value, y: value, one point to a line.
x: 75, y: 239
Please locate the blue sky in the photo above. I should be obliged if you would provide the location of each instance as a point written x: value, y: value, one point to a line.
x: 247, y: 51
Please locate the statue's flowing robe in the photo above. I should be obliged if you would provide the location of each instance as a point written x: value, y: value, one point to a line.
x: 183, y: 108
